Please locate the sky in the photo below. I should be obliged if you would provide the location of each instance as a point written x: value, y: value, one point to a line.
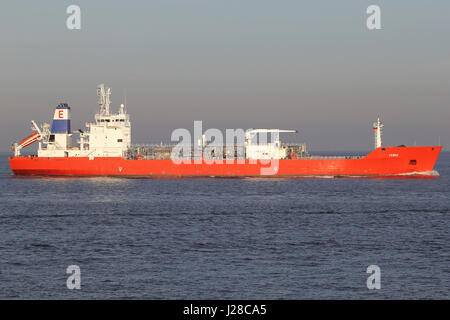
x: 306, y: 65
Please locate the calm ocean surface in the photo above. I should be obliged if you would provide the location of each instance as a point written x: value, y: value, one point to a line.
x: 225, y: 238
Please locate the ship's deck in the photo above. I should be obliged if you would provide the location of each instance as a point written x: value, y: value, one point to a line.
x: 164, y: 151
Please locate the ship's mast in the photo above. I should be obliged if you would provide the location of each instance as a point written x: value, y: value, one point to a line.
x: 103, y: 99
x: 378, y: 131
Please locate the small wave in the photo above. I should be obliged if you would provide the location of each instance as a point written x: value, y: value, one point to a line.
x: 418, y: 210
x: 323, y: 177
x: 38, y: 245
x: 432, y: 173
x: 320, y: 212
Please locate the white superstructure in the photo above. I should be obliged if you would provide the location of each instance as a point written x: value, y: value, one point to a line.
x: 108, y: 136
x: 265, y: 149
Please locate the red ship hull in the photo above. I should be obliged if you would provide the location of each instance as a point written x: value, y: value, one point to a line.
x: 380, y: 162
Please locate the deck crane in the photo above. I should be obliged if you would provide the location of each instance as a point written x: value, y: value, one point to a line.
x: 35, y: 136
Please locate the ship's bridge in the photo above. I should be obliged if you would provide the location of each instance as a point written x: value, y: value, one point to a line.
x: 113, y: 119
x: 110, y: 135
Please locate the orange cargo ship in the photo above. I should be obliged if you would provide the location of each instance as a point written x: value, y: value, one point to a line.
x: 380, y: 162
x: 105, y: 150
